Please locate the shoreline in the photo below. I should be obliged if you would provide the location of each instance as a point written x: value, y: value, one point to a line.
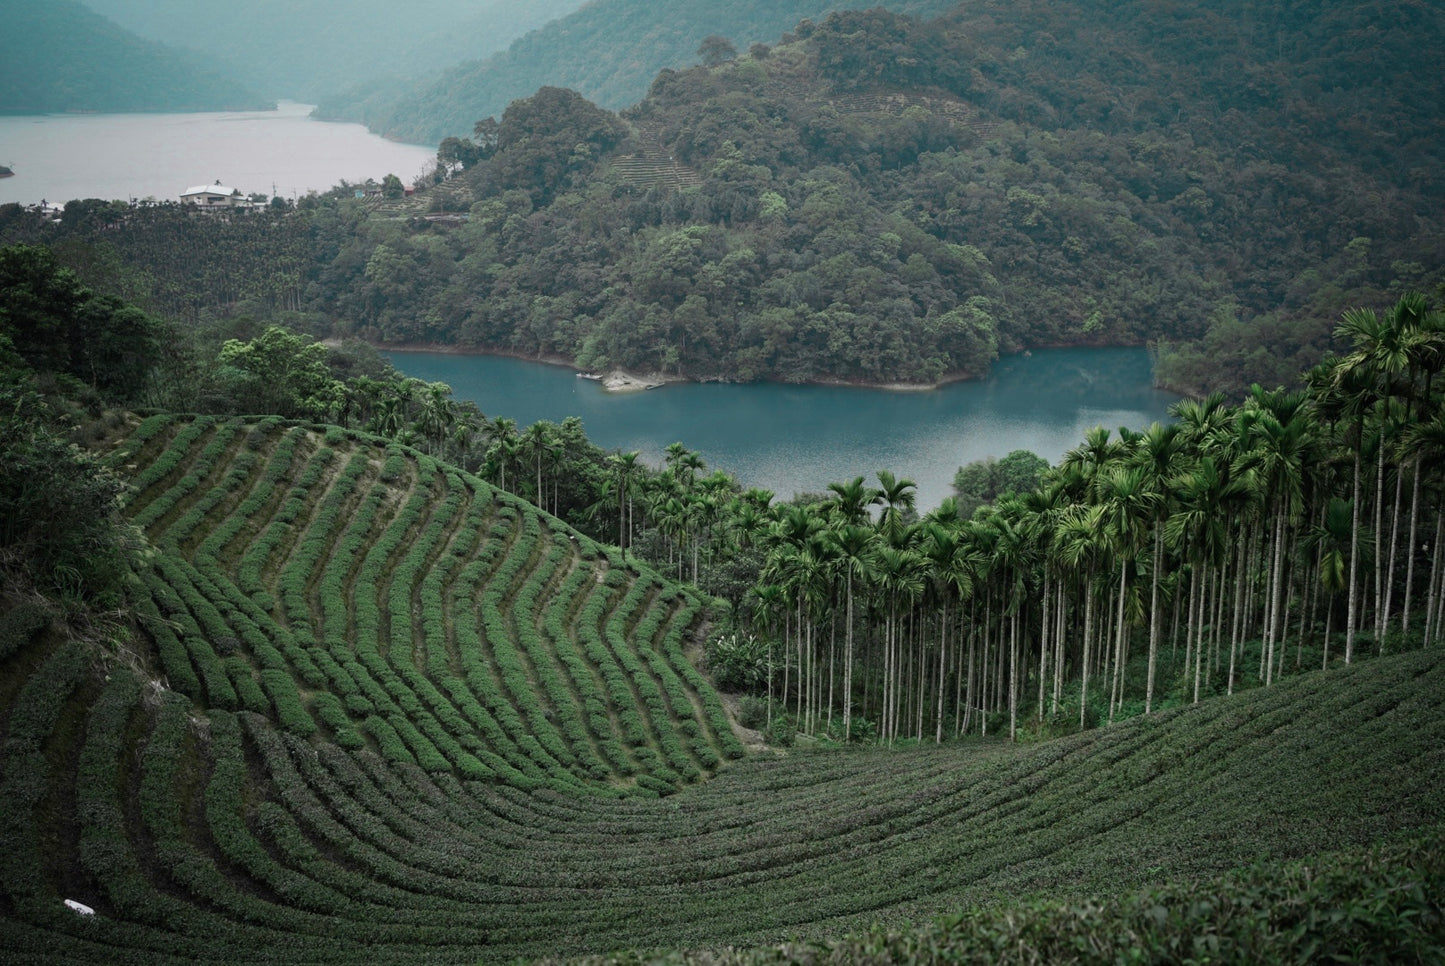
x: 626, y: 381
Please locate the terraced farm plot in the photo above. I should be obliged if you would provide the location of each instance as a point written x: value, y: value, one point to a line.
x: 410, y: 720
x: 336, y: 584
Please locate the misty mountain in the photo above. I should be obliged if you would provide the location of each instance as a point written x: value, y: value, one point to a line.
x: 308, y: 49
x: 57, y: 55
x: 609, y: 51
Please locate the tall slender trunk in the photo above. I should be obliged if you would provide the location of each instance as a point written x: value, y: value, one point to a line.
x: 1116, y: 686
x: 1236, y: 628
x: 1013, y: 680
x: 1060, y: 606
x: 1272, y: 629
x: 1154, y: 618
x: 1088, y: 629
x: 1196, y: 607
x: 1394, y: 549
x: 1044, y: 642
x: 942, y: 673
x: 1354, y: 559
x: 1431, y: 618
x: 1410, y: 551
x: 848, y: 669
x: 1379, y: 535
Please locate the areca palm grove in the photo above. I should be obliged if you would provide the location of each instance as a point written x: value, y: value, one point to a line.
x: 1233, y: 542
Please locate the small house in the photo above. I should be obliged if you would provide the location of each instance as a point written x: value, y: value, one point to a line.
x: 214, y: 196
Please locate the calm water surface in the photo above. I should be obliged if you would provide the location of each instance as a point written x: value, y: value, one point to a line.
x: 801, y: 438
x: 59, y: 157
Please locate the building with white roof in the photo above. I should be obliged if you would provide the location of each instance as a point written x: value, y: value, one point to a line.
x: 214, y: 196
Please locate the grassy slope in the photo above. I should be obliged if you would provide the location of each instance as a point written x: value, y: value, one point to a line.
x: 265, y: 822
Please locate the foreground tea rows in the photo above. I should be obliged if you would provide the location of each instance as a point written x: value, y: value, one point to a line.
x: 382, y: 712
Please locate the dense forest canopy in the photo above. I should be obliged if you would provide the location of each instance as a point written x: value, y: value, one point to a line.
x: 609, y: 51
x: 309, y: 49
x: 882, y: 199
x: 57, y: 55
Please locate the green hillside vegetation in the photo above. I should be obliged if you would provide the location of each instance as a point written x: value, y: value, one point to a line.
x: 626, y: 43
x: 324, y: 697
x: 244, y: 832
x: 309, y: 49
x: 882, y: 200
x: 60, y: 56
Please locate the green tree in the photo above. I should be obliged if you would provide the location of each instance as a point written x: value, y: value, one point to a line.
x: 716, y: 50
x: 282, y: 373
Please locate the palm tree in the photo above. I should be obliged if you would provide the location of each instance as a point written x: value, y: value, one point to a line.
x: 898, y: 575
x: 854, y: 547
x: 438, y: 415
x: 896, y: 497
x: 536, y: 441
x: 1129, y: 507
x: 1157, y: 455
x: 626, y: 466
x: 950, y: 571
x: 1081, y: 547
x: 851, y: 500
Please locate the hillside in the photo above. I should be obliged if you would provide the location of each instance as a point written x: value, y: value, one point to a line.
x: 609, y: 51
x: 887, y: 200
x: 379, y: 709
x: 879, y: 199
x: 60, y: 56
x: 309, y: 49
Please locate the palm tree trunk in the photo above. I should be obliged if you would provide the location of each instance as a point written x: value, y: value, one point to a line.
x: 1431, y: 616
x: 1117, y: 683
x: 1013, y: 683
x: 942, y: 673
x: 1394, y: 549
x: 1043, y: 643
x: 848, y: 668
x: 1236, y: 629
x: 1410, y: 552
x: 1196, y: 607
x: 1088, y: 629
x: 1060, y: 611
x: 1272, y: 629
x: 1354, y: 563
x: 1154, y: 618
x: 1379, y: 532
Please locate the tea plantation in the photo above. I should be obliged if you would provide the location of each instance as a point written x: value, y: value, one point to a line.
x: 382, y: 712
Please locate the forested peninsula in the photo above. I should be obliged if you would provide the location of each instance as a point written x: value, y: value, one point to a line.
x: 879, y: 199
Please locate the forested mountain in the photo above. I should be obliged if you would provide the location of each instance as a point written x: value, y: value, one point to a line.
x: 609, y: 51
x: 881, y: 199
x: 308, y: 49
x: 57, y: 55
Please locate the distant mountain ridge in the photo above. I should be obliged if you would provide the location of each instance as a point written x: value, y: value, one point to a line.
x: 627, y: 42
x: 57, y: 55
x: 309, y: 49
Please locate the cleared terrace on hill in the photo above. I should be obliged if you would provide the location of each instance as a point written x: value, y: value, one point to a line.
x: 368, y: 593
x: 221, y: 820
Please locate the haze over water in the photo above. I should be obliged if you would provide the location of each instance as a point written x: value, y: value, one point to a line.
x: 801, y: 438
x: 60, y: 157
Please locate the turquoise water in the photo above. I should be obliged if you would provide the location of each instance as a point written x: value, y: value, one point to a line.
x: 801, y: 438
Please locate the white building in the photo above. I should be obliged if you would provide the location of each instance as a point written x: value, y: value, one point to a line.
x: 214, y: 196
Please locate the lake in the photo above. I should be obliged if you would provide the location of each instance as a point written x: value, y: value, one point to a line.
x: 801, y: 438
x: 59, y: 157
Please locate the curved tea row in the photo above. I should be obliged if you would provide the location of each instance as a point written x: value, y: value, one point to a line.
x: 340, y: 585
x: 385, y: 714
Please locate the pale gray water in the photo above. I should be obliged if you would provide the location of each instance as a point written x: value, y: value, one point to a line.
x: 59, y: 157
x: 801, y: 438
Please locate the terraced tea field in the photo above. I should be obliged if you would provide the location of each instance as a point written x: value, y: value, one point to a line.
x: 406, y: 718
